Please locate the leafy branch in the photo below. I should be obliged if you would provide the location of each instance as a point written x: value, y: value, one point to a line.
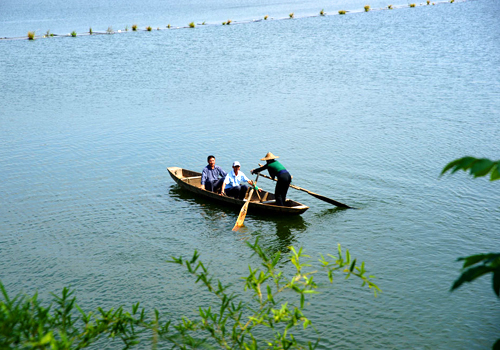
x: 478, y: 265
x: 267, y: 318
x: 477, y: 167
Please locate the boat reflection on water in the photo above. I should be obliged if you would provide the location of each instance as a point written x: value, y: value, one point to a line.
x: 276, y: 233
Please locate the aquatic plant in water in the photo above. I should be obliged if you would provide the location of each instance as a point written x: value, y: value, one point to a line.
x: 148, y: 28
x: 389, y: 7
x: 341, y: 12
x: 322, y: 12
x: 73, y: 34
x: 367, y: 8
x: 31, y: 35
x: 192, y: 25
x: 412, y: 5
x: 134, y: 27
x: 291, y: 15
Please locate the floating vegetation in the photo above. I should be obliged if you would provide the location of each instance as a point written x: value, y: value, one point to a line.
x: 367, y: 8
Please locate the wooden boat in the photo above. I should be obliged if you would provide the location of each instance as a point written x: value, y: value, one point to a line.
x: 266, y: 204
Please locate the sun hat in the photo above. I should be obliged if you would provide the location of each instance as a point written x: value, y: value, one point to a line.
x: 236, y: 163
x: 269, y: 156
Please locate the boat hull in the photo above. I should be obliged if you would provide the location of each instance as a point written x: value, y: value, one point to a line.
x: 191, y: 181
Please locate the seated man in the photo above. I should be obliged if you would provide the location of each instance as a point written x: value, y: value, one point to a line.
x: 233, y: 183
x: 212, y: 176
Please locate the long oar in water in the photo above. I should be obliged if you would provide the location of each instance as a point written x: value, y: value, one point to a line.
x: 244, y: 208
x: 323, y: 198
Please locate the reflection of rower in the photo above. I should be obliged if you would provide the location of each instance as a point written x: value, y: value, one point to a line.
x: 276, y: 169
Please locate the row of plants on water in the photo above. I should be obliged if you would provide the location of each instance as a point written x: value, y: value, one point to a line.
x: 31, y: 34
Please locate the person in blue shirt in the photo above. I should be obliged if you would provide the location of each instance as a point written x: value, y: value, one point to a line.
x: 233, y: 184
x: 212, y: 176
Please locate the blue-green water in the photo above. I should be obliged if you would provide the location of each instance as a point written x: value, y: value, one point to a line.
x: 365, y: 108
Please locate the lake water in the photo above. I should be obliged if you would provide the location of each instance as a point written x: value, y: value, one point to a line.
x: 365, y: 108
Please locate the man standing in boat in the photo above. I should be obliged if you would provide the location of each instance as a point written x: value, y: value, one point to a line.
x: 276, y: 169
x: 212, y: 176
x: 233, y: 183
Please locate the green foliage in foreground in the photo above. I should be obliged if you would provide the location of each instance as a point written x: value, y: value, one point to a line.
x: 478, y: 265
x: 266, y: 316
x: 476, y: 167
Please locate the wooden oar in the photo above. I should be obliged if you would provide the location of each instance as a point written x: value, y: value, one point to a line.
x: 244, y: 209
x: 323, y: 198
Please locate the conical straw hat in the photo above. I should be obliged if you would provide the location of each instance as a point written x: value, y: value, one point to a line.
x: 269, y: 156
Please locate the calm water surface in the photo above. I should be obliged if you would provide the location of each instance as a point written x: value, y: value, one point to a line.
x: 365, y: 108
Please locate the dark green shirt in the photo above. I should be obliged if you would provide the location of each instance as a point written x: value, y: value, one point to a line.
x: 274, y: 168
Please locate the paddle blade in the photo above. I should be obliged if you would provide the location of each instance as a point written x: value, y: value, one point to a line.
x: 243, y: 212
x: 329, y: 200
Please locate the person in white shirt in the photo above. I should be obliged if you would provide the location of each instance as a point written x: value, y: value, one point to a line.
x: 233, y: 185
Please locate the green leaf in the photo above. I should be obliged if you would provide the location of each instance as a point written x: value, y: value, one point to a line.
x: 496, y: 281
x: 478, y: 167
x: 46, y: 338
x: 495, y: 172
x: 352, y: 265
x: 481, y: 167
x: 473, y: 259
x: 462, y: 163
x: 470, y: 275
